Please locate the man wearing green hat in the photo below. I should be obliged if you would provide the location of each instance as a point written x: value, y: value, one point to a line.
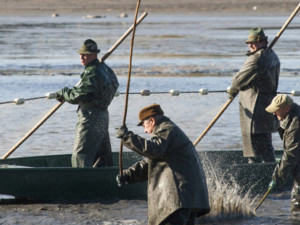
x: 288, y: 114
x: 257, y: 83
x: 177, y: 190
x: 93, y: 95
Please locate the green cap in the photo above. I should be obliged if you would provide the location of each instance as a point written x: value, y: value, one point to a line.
x: 256, y: 34
x: 89, y: 47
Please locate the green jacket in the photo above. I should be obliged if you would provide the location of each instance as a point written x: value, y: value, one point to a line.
x: 290, y: 133
x: 96, y: 89
x: 256, y: 83
x: 173, y: 169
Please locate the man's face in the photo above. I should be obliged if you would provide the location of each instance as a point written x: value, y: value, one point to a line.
x: 86, y: 59
x: 282, y: 113
x: 149, y: 125
x: 255, y: 45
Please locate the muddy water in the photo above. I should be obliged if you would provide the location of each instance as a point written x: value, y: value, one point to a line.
x: 45, y: 48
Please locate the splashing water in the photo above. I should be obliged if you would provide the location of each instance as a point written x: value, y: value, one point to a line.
x: 227, y: 200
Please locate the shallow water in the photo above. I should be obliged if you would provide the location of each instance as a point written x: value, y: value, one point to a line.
x: 45, y: 48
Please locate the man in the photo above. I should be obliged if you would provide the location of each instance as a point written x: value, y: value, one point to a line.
x: 288, y: 113
x: 177, y: 190
x: 257, y: 83
x: 93, y: 95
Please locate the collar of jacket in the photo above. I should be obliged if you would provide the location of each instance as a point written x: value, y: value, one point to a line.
x: 95, y: 61
x: 252, y: 53
x: 163, y: 119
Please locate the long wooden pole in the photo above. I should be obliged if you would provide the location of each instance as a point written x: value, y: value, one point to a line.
x: 53, y: 110
x: 261, y: 201
x: 212, y: 122
x: 128, y: 85
x: 230, y: 100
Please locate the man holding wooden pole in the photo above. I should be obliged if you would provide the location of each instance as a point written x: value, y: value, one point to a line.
x: 93, y: 95
x: 257, y: 83
x: 288, y: 113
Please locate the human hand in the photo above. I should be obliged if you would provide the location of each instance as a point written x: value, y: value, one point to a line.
x: 59, y: 97
x: 121, y: 131
x: 231, y: 92
x: 122, y: 179
x: 272, y: 184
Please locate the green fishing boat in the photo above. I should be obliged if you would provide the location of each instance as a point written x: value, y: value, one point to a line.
x: 51, y: 178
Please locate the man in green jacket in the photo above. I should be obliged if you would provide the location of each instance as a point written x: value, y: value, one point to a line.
x: 288, y: 113
x: 93, y: 95
x: 177, y: 190
x: 257, y: 83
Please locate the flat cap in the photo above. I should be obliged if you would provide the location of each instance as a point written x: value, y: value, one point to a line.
x: 151, y: 110
x: 278, y: 102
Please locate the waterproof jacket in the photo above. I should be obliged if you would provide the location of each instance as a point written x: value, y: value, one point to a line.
x: 94, y: 94
x: 173, y: 169
x: 256, y: 83
x: 96, y: 89
x: 290, y: 133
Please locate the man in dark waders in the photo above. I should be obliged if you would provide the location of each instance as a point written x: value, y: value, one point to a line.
x: 257, y: 83
x: 93, y: 95
x: 288, y: 113
x: 177, y: 190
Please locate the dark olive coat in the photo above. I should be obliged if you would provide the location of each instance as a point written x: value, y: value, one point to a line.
x: 93, y: 95
x: 256, y: 83
x: 173, y: 169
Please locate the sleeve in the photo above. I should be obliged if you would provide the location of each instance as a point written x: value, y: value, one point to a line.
x: 137, y: 172
x: 155, y: 148
x: 83, y: 92
x: 290, y: 157
x: 247, y: 73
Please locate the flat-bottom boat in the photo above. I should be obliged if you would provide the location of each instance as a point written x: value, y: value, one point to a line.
x: 51, y: 177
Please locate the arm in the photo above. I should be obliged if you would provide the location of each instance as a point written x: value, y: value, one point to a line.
x: 155, y: 148
x: 137, y: 172
x: 247, y: 73
x: 83, y: 92
x: 290, y: 158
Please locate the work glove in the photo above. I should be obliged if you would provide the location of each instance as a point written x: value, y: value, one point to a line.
x: 122, y: 180
x: 121, y: 131
x: 59, y: 97
x: 272, y: 184
x: 231, y: 93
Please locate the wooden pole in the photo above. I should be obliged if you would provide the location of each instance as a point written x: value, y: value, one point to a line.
x: 213, y: 122
x: 261, y: 201
x: 53, y: 110
x: 230, y: 100
x: 128, y: 85
x: 285, y: 25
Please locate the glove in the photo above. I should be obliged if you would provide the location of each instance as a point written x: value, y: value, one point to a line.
x: 232, y: 95
x: 121, y: 131
x: 231, y: 92
x: 272, y: 184
x: 122, y: 180
x: 59, y: 97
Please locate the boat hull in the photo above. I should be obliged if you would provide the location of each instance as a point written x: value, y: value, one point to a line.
x: 51, y: 178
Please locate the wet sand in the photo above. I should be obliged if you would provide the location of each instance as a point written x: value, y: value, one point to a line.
x: 37, y: 7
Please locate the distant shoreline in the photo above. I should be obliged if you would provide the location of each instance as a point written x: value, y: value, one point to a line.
x: 180, y: 7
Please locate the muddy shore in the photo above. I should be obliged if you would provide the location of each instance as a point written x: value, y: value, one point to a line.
x: 252, y: 7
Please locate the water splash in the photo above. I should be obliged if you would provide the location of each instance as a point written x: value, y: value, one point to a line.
x: 227, y: 199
